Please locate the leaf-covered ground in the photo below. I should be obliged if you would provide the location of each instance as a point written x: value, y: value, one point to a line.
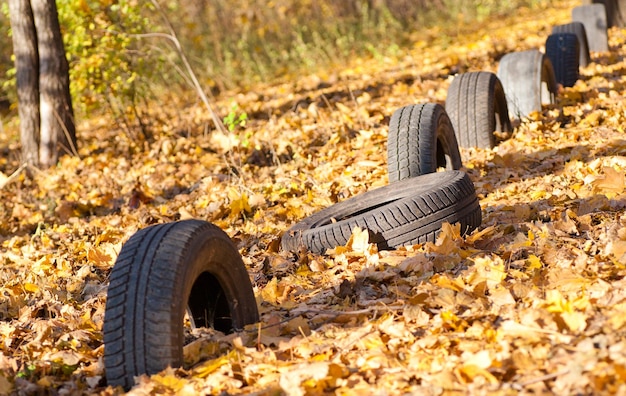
x: 534, y: 301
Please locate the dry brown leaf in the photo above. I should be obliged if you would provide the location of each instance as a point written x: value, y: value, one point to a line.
x: 611, y: 182
x: 6, y: 387
x: 488, y: 269
x: 98, y: 258
x: 500, y: 296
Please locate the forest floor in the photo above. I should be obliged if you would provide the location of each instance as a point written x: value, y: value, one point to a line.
x: 532, y: 302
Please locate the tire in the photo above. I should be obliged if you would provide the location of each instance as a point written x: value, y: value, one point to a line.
x: 563, y: 51
x: 615, y: 11
x: 161, y: 273
x: 420, y: 140
x: 593, y: 16
x: 578, y: 29
x: 528, y: 80
x: 477, y: 107
x: 402, y: 213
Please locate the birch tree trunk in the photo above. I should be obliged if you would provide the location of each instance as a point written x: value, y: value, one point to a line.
x: 57, y: 128
x: 27, y: 76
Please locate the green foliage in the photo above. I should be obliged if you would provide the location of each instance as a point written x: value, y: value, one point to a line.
x: 480, y: 10
x: 235, y: 120
x: 7, y: 67
x: 101, y: 44
x: 111, y: 68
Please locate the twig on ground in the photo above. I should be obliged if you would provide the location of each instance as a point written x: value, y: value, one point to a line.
x: 521, y: 385
x: 196, y: 84
x: 326, y: 312
x: 13, y: 176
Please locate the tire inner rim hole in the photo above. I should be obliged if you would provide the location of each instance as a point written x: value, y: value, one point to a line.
x: 443, y: 160
x: 208, y: 304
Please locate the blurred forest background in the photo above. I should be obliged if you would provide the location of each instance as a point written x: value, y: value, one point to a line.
x: 119, y: 64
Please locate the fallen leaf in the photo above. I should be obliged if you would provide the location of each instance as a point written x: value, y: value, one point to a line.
x: 611, y: 182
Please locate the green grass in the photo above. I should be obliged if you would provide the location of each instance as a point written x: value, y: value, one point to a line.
x: 235, y: 43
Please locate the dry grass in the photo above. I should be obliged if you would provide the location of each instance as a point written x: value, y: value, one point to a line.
x: 235, y: 43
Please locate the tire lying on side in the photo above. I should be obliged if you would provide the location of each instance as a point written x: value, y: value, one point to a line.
x: 162, y: 273
x: 593, y: 16
x: 477, y: 107
x: 406, y: 212
x: 563, y: 51
x: 578, y: 29
x: 528, y: 80
x: 420, y: 140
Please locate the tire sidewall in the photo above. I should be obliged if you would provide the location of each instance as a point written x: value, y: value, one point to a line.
x: 355, y: 209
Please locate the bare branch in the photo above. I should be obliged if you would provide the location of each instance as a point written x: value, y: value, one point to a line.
x: 174, y: 39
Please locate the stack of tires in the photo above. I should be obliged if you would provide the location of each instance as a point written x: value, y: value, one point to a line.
x: 191, y: 271
x: 417, y: 201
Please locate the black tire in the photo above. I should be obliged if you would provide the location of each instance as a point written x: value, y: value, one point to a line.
x: 615, y: 11
x: 161, y: 273
x: 593, y: 16
x: 578, y: 29
x: 477, y: 107
x: 420, y: 140
x: 406, y: 212
x: 528, y: 80
x: 563, y: 51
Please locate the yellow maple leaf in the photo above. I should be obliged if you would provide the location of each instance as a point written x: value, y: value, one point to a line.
x: 522, y: 240
x: 270, y: 292
x: 500, y: 295
x: 448, y: 240
x: 169, y: 380
x: 612, y: 181
x: 210, y: 366
x: 452, y: 321
x: 476, y: 236
x: 359, y: 240
x: 576, y: 321
x: 468, y: 372
x: 617, y: 318
x: 238, y: 203
x: 394, y: 328
x: 358, y: 244
x: 99, y: 258
x: 444, y: 281
x: 43, y: 266
x: 488, y: 269
x: 303, y: 376
x: 536, y: 195
x: 298, y: 324
x: 534, y: 262
x: 343, y: 108
x: 556, y: 303
x: 568, y: 310
x: 31, y: 287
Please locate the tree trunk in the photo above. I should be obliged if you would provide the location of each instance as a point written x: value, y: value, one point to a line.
x: 58, y: 132
x: 27, y: 76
